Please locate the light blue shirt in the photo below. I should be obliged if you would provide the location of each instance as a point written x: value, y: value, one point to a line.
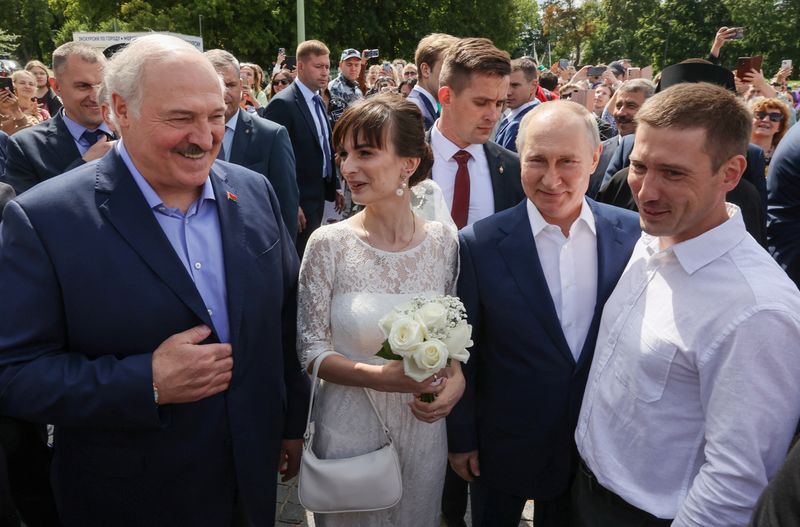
x: 196, y: 238
x: 230, y: 130
x: 76, y: 131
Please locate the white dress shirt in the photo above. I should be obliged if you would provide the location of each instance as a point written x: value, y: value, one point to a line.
x: 443, y: 173
x: 424, y: 93
x: 694, y: 390
x: 570, y: 269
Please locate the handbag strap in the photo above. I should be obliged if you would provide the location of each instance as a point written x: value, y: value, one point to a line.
x: 314, y: 383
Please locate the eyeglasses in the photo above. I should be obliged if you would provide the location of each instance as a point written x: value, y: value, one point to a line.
x: 775, y: 117
x: 409, y: 73
x: 282, y: 82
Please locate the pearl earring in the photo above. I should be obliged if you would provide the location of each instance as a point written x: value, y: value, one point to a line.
x: 402, y: 189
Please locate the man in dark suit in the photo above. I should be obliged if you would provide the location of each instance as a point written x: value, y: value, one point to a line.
x: 520, y: 100
x: 255, y: 143
x: 6, y: 192
x: 150, y: 313
x: 300, y: 109
x: 534, y: 280
x: 478, y: 177
x: 74, y: 135
x: 428, y: 58
x: 783, y: 227
x: 610, y: 146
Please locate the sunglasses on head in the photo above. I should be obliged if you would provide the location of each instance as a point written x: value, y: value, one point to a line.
x: 283, y: 82
x: 775, y: 117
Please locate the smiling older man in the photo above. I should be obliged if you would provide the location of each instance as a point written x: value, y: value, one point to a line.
x: 150, y: 313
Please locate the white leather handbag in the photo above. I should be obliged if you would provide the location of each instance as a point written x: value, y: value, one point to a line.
x: 368, y: 482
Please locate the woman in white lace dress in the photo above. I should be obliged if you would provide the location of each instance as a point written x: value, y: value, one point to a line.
x: 352, y: 274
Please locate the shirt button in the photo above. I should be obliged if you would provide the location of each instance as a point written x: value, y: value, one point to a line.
x: 198, y: 265
x: 210, y: 313
x: 162, y: 209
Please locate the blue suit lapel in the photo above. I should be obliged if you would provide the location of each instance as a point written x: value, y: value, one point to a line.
x: 63, y: 144
x: 241, y: 138
x: 233, y: 244
x: 518, y: 249
x: 122, y: 203
x: 303, y: 106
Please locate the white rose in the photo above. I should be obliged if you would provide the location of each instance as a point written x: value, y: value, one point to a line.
x: 433, y: 315
x: 386, y: 323
x: 457, y: 340
x: 406, y: 333
x: 426, y: 359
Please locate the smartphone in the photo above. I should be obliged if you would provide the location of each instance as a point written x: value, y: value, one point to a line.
x: 563, y: 64
x: 373, y: 54
x: 745, y: 64
x: 739, y: 35
x: 5, y: 83
x: 634, y: 73
x: 281, y: 51
x: 387, y: 67
x: 596, y: 71
x: 786, y: 63
x: 579, y: 97
x: 290, y: 63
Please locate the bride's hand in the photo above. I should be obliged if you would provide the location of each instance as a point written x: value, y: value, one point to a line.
x: 392, y: 378
x: 445, y: 401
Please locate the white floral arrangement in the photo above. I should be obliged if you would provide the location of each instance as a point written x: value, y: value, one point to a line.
x: 426, y: 333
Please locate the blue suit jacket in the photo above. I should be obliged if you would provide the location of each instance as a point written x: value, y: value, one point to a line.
x: 264, y: 147
x: 289, y: 108
x: 783, y: 185
x: 39, y: 153
x: 429, y: 115
x: 92, y: 287
x: 524, y: 388
x: 507, y: 138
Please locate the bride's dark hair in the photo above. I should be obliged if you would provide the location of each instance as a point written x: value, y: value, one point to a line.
x: 387, y: 115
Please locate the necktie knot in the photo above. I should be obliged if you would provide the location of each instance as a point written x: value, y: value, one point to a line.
x: 92, y: 136
x: 462, y: 157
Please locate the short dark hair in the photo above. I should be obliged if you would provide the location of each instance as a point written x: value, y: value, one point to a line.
x: 472, y: 55
x: 431, y: 48
x: 387, y: 116
x: 548, y: 80
x: 527, y: 66
x: 726, y: 121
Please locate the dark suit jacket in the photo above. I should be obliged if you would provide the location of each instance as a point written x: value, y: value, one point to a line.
x: 504, y: 170
x: 40, y: 152
x: 783, y: 185
x: 92, y: 287
x: 428, y: 117
x: 620, y: 158
x: 524, y: 388
x: 289, y: 108
x: 596, y: 179
x: 508, y: 138
x: 264, y: 147
x: 3, y: 150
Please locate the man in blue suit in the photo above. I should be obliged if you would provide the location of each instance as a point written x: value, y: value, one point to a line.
x: 534, y: 279
x: 429, y: 57
x: 73, y: 136
x: 255, y: 143
x: 521, y: 99
x: 301, y: 110
x: 150, y: 313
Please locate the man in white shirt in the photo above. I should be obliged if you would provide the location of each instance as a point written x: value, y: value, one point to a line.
x: 521, y: 99
x: 534, y: 279
x: 693, y: 396
x: 428, y: 57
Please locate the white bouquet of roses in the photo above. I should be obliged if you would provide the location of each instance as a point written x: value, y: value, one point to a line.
x: 426, y: 333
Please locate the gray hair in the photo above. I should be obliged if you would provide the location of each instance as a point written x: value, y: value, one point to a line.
x: 77, y: 49
x: 638, y: 86
x: 221, y: 59
x: 576, y: 109
x: 125, y: 72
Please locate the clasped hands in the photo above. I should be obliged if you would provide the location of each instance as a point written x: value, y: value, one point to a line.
x: 447, y: 385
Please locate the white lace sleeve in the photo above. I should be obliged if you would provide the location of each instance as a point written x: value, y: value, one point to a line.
x: 427, y: 200
x: 315, y: 289
x: 452, y: 260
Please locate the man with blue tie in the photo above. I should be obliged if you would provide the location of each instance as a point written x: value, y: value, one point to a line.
x: 534, y: 280
x: 301, y: 110
x: 521, y: 99
x: 428, y: 57
x: 73, y: 136
x: 256, y: 143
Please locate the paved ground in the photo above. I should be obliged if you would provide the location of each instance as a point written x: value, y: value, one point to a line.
x: 291, y: 513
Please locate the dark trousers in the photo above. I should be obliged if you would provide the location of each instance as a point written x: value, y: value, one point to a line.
x: 313, y: 213
x: 454, y: 499
x: 595, y: 506
x: 495, y: 508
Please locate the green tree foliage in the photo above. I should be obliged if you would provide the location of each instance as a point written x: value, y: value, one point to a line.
x: 8, y: 43
x: 32, y: 21
x: 569, y: 26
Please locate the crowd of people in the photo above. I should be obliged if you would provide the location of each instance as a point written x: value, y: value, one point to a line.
x: 626, y: 248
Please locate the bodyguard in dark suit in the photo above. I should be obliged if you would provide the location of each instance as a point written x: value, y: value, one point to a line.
x: 6, y: 192
x: 73, y: 136
x: 610, y: 146
x: 300, y: 109
x: 783, y: 186
x: 255, y: 143
x: 150, y: 313
x: 534, y: 280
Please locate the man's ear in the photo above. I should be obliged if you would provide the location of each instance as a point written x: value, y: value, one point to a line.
x: 732, y: 171
x: 424, y: 70
x: 445, y: 95
x: 56, y: 86
x: 121, y: 110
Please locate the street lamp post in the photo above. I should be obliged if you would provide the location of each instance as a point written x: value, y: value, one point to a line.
x: 301, y: 21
